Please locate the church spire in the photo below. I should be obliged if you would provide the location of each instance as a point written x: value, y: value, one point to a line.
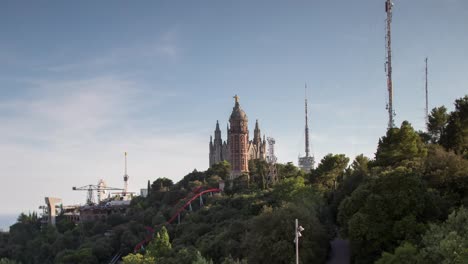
x: 257, y: 135
x: 217, y: 137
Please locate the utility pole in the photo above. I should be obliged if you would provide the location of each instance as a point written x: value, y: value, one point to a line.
x: 298, y: 229
x: 297, y: 242
x: 388, y: 63
x: 427, y: 98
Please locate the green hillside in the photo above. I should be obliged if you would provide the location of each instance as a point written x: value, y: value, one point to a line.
x: 408, y: 204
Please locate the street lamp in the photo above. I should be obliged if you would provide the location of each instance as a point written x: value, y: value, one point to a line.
x: 298, y: 231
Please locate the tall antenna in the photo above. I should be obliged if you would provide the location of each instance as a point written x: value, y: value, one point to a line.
x: 427, y: 98
x: 388, y: 63
x: 306, y: 125
x: 125, y: 177
x: 306, y: 163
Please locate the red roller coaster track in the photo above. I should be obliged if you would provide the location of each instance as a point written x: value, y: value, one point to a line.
x: 175, y: 216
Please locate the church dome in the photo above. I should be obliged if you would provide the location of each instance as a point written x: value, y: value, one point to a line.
x: 237, y: 112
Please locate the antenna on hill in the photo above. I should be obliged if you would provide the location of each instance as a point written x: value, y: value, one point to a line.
x: 388, y: 62
x: 125, y: 177
x: 306, y: 163
x: 427, y: 97
x: 307, y: 150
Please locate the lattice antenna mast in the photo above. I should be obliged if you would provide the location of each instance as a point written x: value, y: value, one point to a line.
x: 388, y: 63
x: 427, y: 97
x: 307, y: 150
x: 126, y: 177
x: 271, y: 158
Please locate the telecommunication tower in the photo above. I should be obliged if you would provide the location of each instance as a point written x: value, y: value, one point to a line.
x: 272, y: 159
x: 388, y: 62
x: 306, y: 163
x: 307, y: 150
x: 126, y: 177
x: 427, y: 97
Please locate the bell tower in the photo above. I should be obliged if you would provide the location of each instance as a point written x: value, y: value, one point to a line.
x: 238, y: 140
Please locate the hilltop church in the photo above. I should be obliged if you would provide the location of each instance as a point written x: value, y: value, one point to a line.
x: 237, y: 150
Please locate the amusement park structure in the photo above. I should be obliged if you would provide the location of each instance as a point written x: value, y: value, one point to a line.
x: 196, y: 194
x: 101, y: 189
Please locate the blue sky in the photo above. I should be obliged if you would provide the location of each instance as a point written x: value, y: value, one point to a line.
x: 82, y: 82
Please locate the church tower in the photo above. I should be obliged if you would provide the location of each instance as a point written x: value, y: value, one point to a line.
x: 216, y: 147
x: 238, y: 140
x: 237, y: 149
x: 257, y: 148
x: 257, y: 137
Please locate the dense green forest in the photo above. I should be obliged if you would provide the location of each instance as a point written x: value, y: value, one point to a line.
x: 408, y: 204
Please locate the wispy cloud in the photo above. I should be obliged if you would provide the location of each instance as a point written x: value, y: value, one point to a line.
x: 165, y: 47
x: 73, y: 132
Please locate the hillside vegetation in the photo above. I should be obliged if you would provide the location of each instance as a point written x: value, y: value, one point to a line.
x: 408, y: 204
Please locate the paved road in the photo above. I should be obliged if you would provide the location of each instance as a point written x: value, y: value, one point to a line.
x: 340, y: 252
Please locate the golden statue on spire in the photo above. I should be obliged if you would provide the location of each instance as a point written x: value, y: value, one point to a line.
x: 236, y: 98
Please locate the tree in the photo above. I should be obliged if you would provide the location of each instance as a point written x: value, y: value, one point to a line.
x: 448, y: 173
x: 102, y: 249
x: 201, y: 260
x: 404, y: 254
x: 330, y: 170
x: 138, y: 259
x: 259, y: 171
x: 230, y: 260
x: 161, y: 184
x: 269, y: 237
x: 391, y: 208
x: 446, y: 243
x: 355, y: 175
x: 82, y: 255
x: 160, y: 246
x: 455, y: 136
x: 193, y: 176
x: 288, y: 171
x: 148, y: 188
x: 360, y: 164
x: 400, y: 146
x: 287, y: 189
x: 221, y: 169
x: 7, y: 261
x: 437, y: 122
x: 63, y: 224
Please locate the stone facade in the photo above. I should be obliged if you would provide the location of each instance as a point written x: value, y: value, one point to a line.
x: 237, y: 150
